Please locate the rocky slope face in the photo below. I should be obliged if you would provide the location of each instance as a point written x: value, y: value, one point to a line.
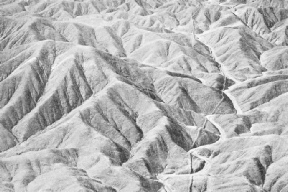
x: 143, y: 95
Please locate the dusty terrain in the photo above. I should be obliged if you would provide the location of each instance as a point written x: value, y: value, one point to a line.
x: 143, y: 95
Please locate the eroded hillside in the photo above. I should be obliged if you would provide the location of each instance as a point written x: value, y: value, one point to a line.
x: 143, y: 95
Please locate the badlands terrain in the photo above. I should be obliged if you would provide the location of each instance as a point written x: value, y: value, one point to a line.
x: 143, y: 96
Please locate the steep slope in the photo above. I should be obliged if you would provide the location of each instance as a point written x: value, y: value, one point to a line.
x: 143, y: 95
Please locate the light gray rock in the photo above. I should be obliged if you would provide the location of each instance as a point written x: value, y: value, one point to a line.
x: 143, y: 95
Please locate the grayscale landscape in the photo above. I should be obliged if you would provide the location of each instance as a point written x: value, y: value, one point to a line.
x: 144, y: 96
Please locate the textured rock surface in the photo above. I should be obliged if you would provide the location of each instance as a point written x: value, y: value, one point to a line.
x: 143, y: 95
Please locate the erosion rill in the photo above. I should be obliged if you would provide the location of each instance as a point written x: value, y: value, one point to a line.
x: 143, y: 95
